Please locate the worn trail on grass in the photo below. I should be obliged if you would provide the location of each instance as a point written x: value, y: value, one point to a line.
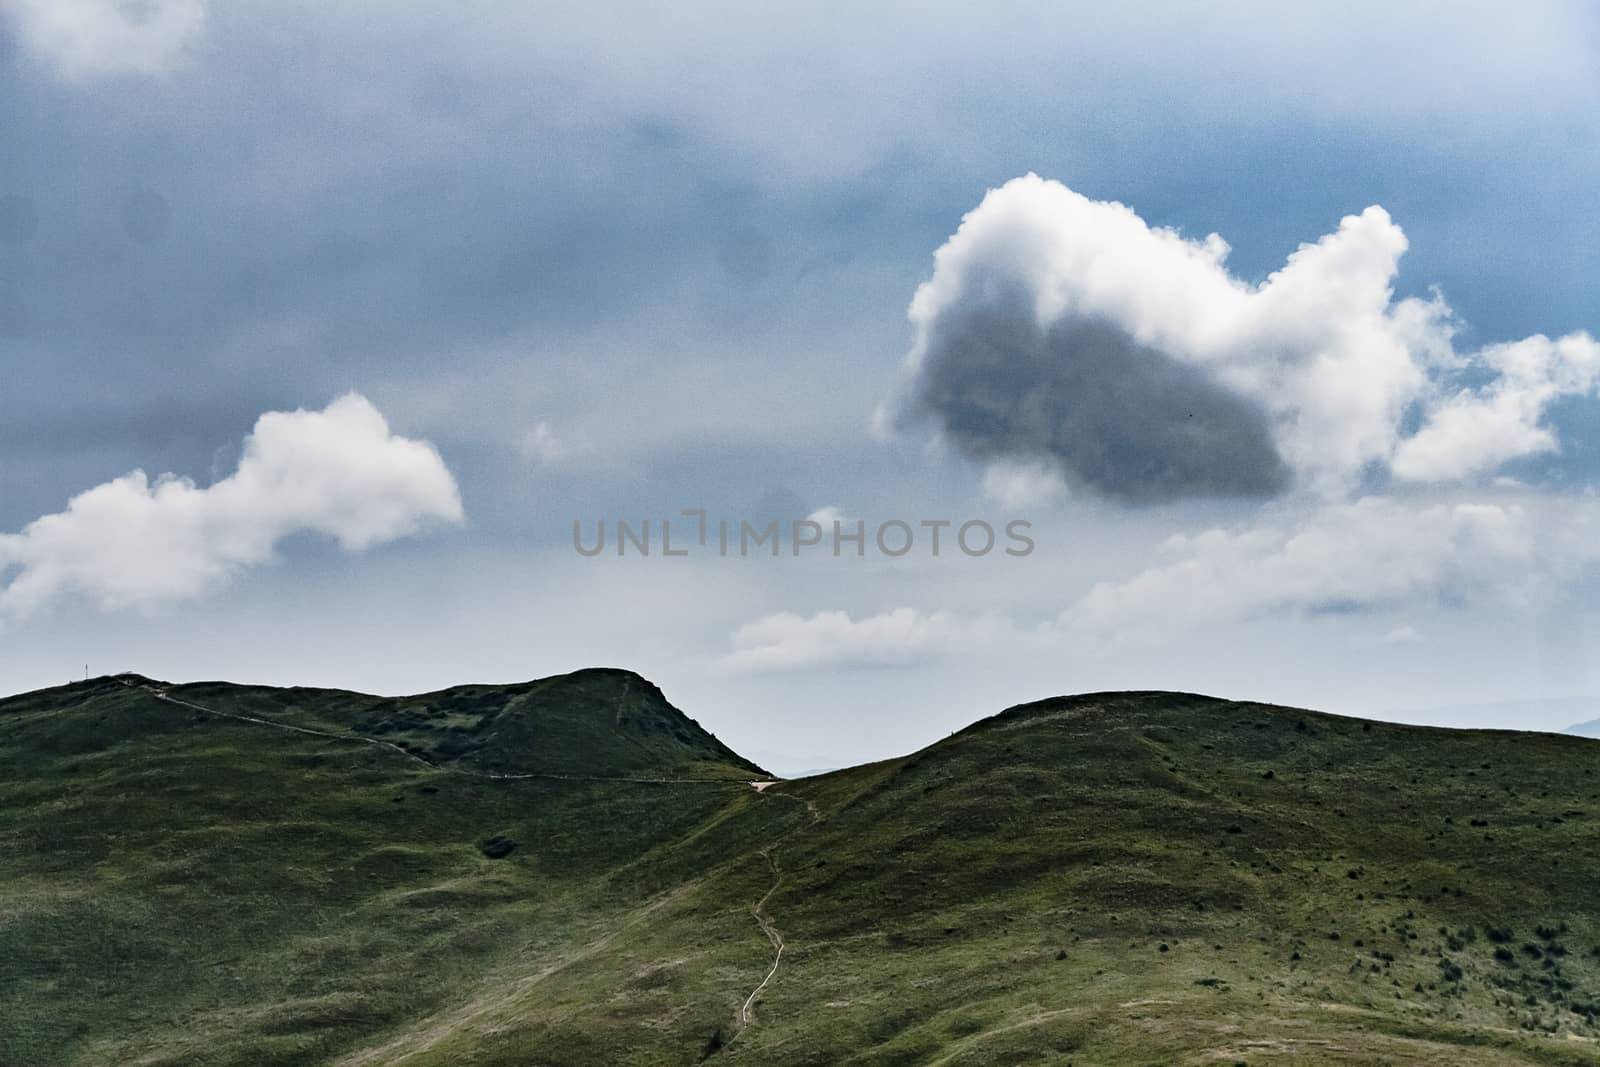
x: 770, y: 930
x: 774, y: 935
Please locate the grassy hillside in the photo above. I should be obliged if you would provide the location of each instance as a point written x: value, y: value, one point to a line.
x: 600, y: 722
x: 1136, y: 878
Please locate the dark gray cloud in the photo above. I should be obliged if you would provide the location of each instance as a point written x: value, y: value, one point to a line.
x: 1119, y: 418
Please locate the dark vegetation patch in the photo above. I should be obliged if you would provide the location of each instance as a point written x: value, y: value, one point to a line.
x: 498, y: 847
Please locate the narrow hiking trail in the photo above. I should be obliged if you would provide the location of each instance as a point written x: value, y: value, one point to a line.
x: 165, y: 697
x: 770, y: 930
x: 758, y: 909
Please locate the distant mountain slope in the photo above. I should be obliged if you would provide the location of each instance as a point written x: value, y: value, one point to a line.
x: 1585, y: 729
x: 1119, y: 878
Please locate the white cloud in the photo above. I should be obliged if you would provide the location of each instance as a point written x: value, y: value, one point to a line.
x: 826, y: 516
x: 896, y: 638
x: 1048, y: 312
x: 1374, y: 553
x: 1403, y: 635
x: 133, y: 542
x: 1063, y: 341
x: 1021, y: 485
x: 1476, y: 430
x: 543, y: 447
x: 84, y: 39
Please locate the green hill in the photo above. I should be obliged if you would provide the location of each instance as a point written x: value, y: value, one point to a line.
x: 597, y: 722
x: 232, y: 875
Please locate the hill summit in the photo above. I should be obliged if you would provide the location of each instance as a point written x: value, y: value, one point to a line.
x: 596, y: 722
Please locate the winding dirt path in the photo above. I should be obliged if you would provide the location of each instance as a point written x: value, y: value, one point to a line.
x: 758, y: 909
x: 772, y: 932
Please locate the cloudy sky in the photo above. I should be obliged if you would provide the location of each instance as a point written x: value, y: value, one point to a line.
x: 321, y: 325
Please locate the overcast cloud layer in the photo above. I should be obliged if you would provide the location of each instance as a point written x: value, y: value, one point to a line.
x: 81, y: 40
x: 601, y: 262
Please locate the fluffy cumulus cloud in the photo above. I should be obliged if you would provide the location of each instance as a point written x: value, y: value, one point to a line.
x: 86, y: 39
x: 1068, y: 346
x: 1066, y: 332
x: 1474, y: 431
x: 897, y: 638
x: 339, y: 472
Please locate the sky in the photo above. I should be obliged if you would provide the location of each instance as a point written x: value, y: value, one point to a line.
x: 322, y: 326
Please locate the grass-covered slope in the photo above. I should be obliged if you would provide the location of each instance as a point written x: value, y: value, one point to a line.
x: 186, y: 887
x: 1154, y: 878
x: 1139, y: 878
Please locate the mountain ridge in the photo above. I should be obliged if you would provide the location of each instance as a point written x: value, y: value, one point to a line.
x: 542, y: 726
